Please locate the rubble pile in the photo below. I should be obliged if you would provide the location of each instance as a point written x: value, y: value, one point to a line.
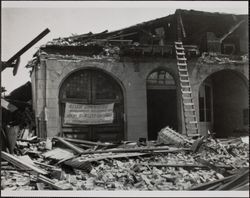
x: 69, y: 164
x: 211, y: 58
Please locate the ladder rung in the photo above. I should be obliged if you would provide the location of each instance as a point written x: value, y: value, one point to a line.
x: 179, y: 48
x: 186, y: 92
x: 178, y: 43
x: 183, y: 75
x: 182, y: 64
x: 189, y: 104
x: 184, y: 80
x: 192, y: 122
x: 182, y: 69
x: 180, y: 53
x: 181, y: 59
x: 189, y: 110
x: 185, y: 86
x: 187, y: 98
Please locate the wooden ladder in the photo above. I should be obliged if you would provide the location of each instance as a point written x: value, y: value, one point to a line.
x: 191, y: 123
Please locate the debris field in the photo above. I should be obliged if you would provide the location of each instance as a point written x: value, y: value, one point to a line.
x: 173, y: 162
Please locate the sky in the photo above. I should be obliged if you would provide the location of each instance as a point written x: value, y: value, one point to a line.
x: 23, y: 21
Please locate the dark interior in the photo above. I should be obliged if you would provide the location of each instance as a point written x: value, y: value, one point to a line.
x: 162, y: 111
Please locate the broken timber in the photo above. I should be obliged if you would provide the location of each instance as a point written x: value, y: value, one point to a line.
x: 84, y: 162
x: 207, y: 185
x: 69, y: 145
x: 28, y: 167
x: 239, y: 180
x: 86, y: 142
x: 24, y: 49
x: 188, y: 166
x: 143, y: 150
x: 20, y: 164
x: 49, y: 182
x: 227, y: 183
x: 213, y: 167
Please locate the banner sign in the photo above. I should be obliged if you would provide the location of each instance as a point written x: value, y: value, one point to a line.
x: 88, y: 114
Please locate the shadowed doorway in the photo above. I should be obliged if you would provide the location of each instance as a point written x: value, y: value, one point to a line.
x: 161, y: 102
x: 223, y: 104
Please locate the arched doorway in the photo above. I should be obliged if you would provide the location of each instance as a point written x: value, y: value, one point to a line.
x: 161, y: 102
x: 223, y: 104
x: 93, y: 89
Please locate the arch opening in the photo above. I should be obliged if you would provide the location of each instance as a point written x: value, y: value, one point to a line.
x: 100, y: 110
x: 223, y: 104
x: 161, y: 102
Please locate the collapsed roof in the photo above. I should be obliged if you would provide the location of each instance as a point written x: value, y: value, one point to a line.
x: 190, y: 26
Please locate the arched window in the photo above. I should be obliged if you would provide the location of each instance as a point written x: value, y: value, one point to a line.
x: 161, y: 78
x: 92, y: 87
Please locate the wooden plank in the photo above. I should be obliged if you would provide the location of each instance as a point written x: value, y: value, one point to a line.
x: 187, y: 165
x: 58, y: 154
x: 86, y: 142
x: 25, y: 48
x: 207, y: 185
x: 82, y: 162
x: 45, y: 165
x: 164, y: 149
x: 212, y: 166
x: 69, y: 145
x: 21, y: 164
x: 49, y: 182
x: 239, y: 180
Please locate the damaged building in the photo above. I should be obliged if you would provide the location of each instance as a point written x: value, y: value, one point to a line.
x: 132, y: 77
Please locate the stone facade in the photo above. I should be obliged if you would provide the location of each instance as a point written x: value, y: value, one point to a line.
x: 50, y: 73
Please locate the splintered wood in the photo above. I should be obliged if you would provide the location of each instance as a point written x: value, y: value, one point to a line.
x: 206, y: 165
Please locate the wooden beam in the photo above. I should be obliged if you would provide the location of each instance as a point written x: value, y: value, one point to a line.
x: 86, y: 142
x: 69, y: 145
x: 187, y: 165
x: 239, y: 180
x: 49, y: 182
x: 207, y: 185
x: 163, y: 149
x: 25, y: 48
x: 21, y: 164
x: 231, y: 30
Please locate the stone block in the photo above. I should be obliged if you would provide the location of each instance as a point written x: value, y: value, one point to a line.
x: 52, y: 113
x: 52, y: 122
x: 52, y: 93
x: 52, y: 102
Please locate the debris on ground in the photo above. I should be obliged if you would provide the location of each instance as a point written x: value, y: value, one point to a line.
x: 173, y: 162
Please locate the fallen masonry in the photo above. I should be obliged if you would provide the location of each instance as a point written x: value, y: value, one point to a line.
x: 180, y: 164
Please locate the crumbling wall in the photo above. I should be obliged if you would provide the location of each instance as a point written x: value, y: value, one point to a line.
x: 39, y: 96
x: 130, y: 73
